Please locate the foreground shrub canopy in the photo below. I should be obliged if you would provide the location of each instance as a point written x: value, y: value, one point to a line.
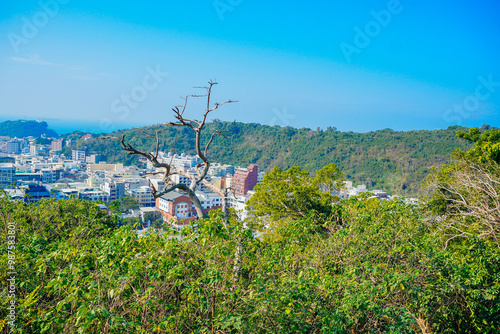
x: 304, y: 262
x: 385, y: 271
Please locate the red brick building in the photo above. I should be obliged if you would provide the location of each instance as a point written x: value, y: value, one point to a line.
x: 178, y: 210
x: 245, y: 180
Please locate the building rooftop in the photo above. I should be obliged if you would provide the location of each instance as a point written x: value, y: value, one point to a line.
x: 172, y: 195
x: 147, y: 209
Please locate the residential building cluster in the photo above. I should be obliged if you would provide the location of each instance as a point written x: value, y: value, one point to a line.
x: 32, y: 172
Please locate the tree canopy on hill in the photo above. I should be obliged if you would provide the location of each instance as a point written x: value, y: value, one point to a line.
x: 23, y: 128
x: 395, y: 161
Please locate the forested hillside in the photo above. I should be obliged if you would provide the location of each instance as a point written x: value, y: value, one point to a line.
x: 22, y: 128
x: 395, y: 161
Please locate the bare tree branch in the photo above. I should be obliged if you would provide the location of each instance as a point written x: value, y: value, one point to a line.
x: 471, y: 193
x: 197, y: 127
x: 212, y: 138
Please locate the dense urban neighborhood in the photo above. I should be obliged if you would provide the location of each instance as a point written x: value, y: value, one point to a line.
x: 33, y: 171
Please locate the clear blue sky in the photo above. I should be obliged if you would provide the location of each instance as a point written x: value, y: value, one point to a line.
x: 354, y: 65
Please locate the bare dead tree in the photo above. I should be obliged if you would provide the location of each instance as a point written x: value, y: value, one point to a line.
x: 201, y: 169
x: 471, y: 191
x: 169, y: 170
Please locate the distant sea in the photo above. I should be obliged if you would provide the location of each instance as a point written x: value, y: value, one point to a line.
x: 62, y: 126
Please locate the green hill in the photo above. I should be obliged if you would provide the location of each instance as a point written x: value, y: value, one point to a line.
x: 23, y: 128
x: 394, y: 161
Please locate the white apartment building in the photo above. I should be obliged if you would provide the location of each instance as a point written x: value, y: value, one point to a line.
x: 239, y: 203
x: 158, y: 183
x: 57, y: 144
x: 182, y: 161
x: 7, y: 172
x: 34, y: 150
x: 94, y: 195
x: 217, y: 169
x: 132, y: 183
x: 348, y: 190
x: 209, y: 200
x: 93, y: 159
x: 78, y: 155
x: 260, y: 176
x: 14, y: 146
x: 143, y: 195
x: 95, y: 180
x: 50, y: 175
x: 181, y: 179
x: 114, y: 189
x: 102, y: 166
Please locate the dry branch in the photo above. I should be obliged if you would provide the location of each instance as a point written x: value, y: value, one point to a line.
x: 168, y: 170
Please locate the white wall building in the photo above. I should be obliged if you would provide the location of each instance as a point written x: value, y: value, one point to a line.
x: 239, y: 203
x: 114, y: 189
x: 349, y: 190
x: 94, y: 195
x: 7, y: 172
x: 78, y: 155
x: 143, y: 195
x: 178, y: 161
x: 50, y: 175
x: 14, y: 146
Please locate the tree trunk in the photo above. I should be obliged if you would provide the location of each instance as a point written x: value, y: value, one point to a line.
x: 196, y: 202
x: 237, y: 260
x: 225, y: 211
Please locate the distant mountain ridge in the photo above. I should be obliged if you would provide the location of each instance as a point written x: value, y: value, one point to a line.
x: 25, y: 128
x: 394, y: 161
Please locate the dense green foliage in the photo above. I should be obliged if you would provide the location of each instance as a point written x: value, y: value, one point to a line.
x: 384, y: 271
x: 486, y: 145
x: 123, y: 204
x: 465, y: 195
x: 134, y: 222
x: 22, y: 128
x: 395, y: 161
x: 294, y: 194
x: 311, y: 264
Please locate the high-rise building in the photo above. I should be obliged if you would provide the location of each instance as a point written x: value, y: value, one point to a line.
x: 7, y: 172
x: 33, y: 149
x: 114, y: 189
x: 14, y: 146
x: 78, y: 155
x: 57, y: 144
x: 244, y: 179
x: 143, y: 195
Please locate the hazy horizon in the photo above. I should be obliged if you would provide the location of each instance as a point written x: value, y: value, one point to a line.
x: 66, y: 126
x: 404, y: 65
